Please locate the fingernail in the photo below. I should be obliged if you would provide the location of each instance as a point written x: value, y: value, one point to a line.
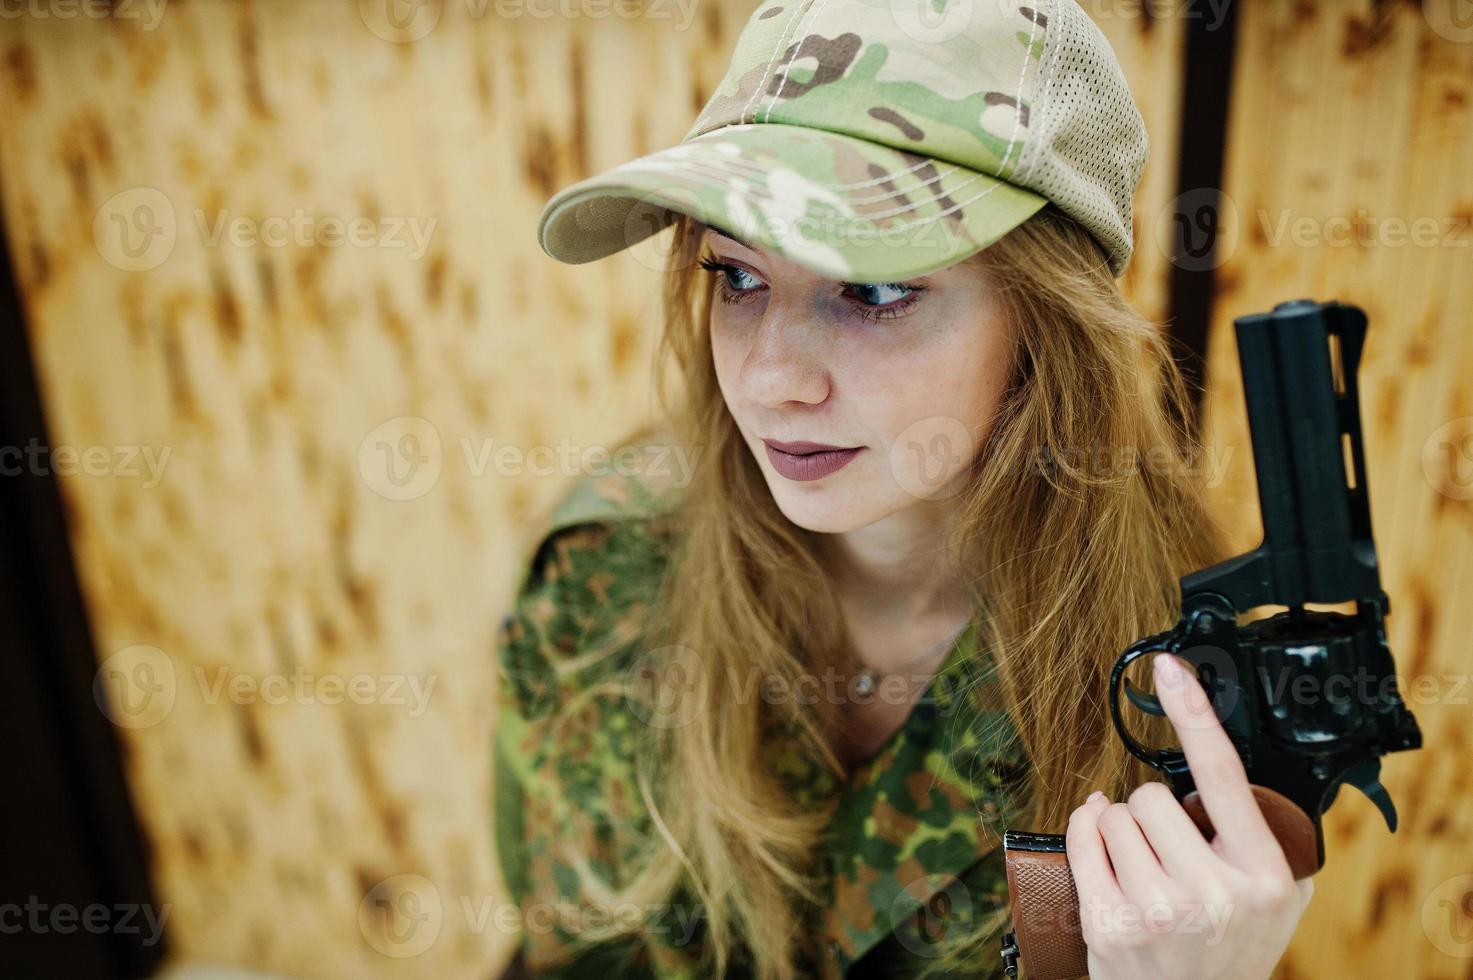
x: 1096, y: 795
x: 1168, y: 671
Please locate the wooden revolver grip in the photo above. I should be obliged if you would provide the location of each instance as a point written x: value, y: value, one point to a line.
x: 1046, y: 922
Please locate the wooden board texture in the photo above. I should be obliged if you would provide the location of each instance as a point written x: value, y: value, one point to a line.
x: 326, y: 503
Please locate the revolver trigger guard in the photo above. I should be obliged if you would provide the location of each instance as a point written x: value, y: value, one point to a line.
x: 1145, y: 702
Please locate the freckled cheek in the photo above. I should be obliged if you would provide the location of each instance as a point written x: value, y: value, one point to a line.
x: 950, y: 381
x: 727, y: 350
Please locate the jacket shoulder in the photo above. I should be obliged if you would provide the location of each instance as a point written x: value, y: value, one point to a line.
x: 592, y: 577
x: 642, y: 480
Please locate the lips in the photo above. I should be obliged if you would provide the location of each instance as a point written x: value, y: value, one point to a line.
x: 804, y: 461
x: 803, y: 448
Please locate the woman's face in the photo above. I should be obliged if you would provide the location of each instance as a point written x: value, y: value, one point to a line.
x: 905, y: 376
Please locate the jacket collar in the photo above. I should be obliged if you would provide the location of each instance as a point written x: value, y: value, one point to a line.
x: 931, y: 804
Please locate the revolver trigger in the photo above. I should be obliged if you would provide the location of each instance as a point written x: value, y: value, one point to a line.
x: 1366, y: 777
x: 1144, y: 702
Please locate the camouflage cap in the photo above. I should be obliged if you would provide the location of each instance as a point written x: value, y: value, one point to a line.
x: 878, y: 140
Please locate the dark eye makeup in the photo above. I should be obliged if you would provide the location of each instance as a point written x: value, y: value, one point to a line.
x: 728, y: 290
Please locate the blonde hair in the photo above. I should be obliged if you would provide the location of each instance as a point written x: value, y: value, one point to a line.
x: 1068, y: 562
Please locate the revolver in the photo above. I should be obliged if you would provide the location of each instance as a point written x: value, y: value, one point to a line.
x: 1299, y: 367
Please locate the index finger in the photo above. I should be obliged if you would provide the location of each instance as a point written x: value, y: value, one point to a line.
x: 1216, y: 768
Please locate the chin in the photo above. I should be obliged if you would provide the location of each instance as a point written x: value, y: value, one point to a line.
x: 821, y: 524
x: 816, y: 513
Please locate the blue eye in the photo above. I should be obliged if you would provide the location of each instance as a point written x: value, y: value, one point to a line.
x: 894, y: 288
x: 873, y: 301
x: 730, y: 289
x: 883, y: 301
x: 879, y: 295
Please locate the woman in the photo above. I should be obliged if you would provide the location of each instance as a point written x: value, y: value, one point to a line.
x: 771, y: 719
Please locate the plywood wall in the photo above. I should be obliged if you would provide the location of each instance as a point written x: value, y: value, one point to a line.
x: 325, y: 504
x: 1150, y: 43
x: 1348, y: 118
x: 294, y: 440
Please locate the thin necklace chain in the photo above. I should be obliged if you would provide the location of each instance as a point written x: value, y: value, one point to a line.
x: 868, y: 676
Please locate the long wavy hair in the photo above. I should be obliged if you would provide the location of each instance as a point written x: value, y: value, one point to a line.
x: 1069, y: 562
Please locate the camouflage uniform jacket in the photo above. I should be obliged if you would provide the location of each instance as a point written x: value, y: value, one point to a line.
x: 916, y: 841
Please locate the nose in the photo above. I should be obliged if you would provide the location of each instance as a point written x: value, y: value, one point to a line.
x: 784, y: 363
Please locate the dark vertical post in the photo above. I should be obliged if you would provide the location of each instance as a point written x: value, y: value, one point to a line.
x: 1207, y: 86
x: 71, y: 839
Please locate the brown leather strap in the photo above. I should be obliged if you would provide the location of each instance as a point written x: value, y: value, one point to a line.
x: 1046, y: 904
x: 1045, y: 912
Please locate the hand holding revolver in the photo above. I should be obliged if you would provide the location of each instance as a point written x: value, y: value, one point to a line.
x: 1290, y: 707
x: 1156, y: 898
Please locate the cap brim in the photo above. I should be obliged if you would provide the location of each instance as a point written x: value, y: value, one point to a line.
x: 840, y: 206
